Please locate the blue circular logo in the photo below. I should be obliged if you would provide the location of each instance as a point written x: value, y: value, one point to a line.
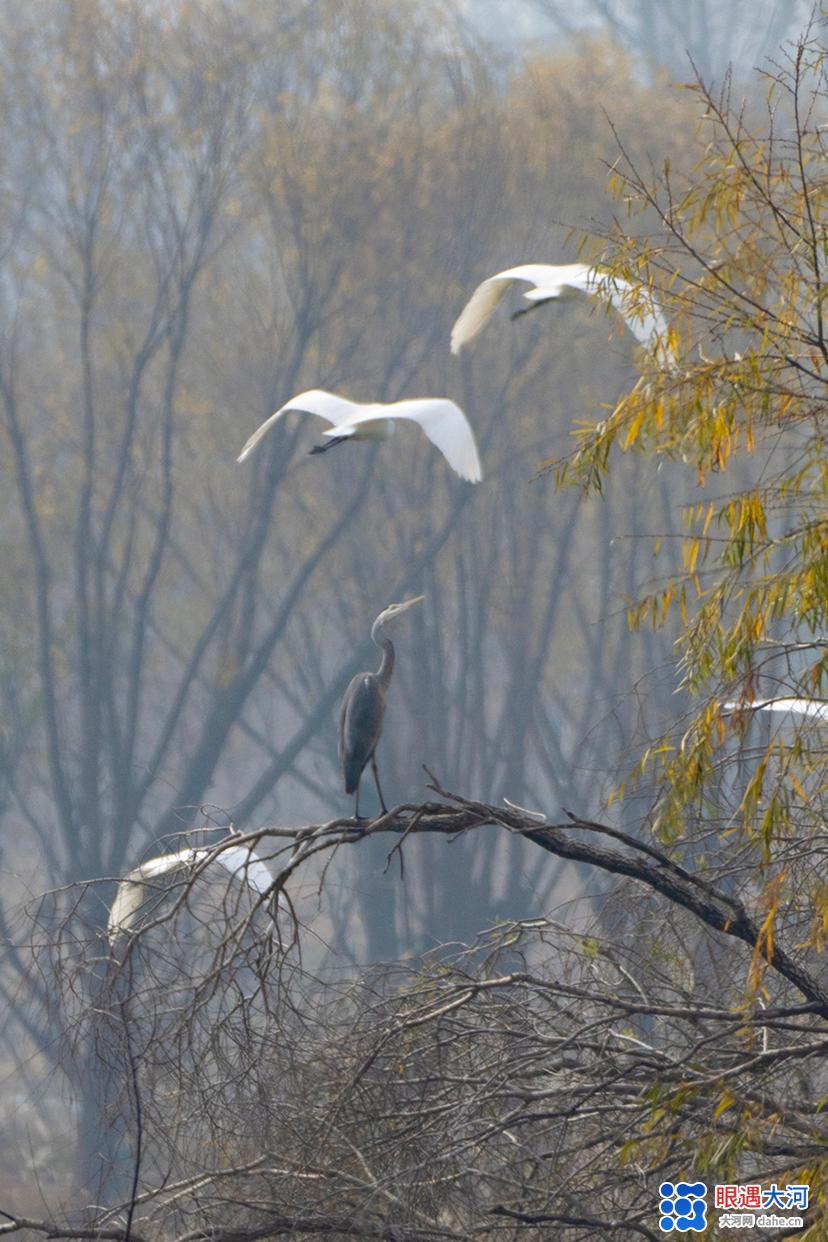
x: 682, y: 1207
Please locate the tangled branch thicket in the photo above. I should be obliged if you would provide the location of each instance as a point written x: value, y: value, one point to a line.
x: 545, y: 1075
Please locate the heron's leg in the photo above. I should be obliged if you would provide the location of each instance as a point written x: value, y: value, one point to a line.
x: 376, y: 781
x: 356, y: 799
x: 323, y: 448
x: 524, y: 310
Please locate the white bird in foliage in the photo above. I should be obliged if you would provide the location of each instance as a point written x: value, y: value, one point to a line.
x: 241, y: 862
x: 443, y: 422
x: 563, y: 282
x: 801, y: 707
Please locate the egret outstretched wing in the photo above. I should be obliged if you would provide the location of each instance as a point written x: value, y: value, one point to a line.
x: 814, y: 708
x: 645, y: 322
x: 244, y: 863
x: 483, y: 302
x: 132, y: 890
x: 241, y: 862
x: 326, y: 405
x: 443, y: 422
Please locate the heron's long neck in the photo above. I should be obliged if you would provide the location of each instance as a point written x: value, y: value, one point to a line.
x: 386, y: 668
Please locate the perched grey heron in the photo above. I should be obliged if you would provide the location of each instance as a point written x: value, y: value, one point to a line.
x: 363, y: 707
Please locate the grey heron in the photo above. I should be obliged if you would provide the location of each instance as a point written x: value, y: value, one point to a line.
x: 562, y: 282
x: 363, y: 708
x: 441, y: 420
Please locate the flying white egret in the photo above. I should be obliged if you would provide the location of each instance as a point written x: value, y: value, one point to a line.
x: 563, y: 282
x: 241, y: 862
x: 800, y: 707
x: 443, y: 422
x: 363, y: 708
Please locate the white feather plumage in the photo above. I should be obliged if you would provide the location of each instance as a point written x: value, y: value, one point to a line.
x: 800, y: 707
x: 561, y: 281
x: 440, y: 419
x: 241, y: 862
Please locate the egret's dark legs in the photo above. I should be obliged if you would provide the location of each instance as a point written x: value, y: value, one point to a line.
x: 323, y: 448
x: 376, y: 781
x: 356, y: 799
x: 524, y: 310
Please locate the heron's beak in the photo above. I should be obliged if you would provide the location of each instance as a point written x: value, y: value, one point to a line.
x: 409, y: 603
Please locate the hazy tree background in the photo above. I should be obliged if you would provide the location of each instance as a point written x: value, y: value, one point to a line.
x: 205, y: 209
x: 661, y: 35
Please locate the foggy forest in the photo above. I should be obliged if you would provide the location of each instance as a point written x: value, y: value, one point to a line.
x: 417, y: 837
